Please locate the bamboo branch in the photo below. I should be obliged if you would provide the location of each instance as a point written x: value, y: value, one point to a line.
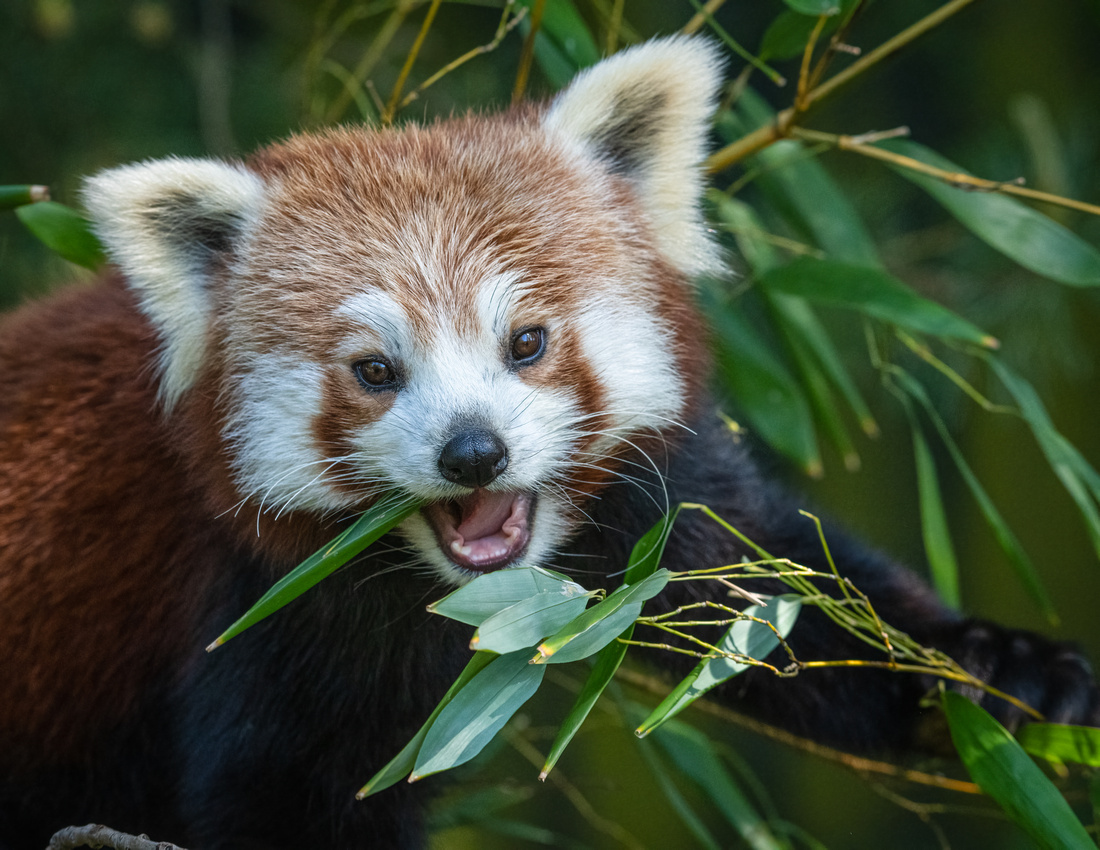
x: 528, y: 54
x: 856, y: 763
x: 862, y: 145
x: 780, y: 129
x: 406, y: 69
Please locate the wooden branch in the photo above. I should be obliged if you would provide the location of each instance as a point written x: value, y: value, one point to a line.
x: 99, y: 836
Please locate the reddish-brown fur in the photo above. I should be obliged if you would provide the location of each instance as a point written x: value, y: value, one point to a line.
x: 101, y: 532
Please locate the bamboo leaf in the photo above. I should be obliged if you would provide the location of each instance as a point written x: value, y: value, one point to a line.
x: 772, y: 401
x: 402, y: 764
x: 16, y: 196
x: 1028, y: 237
x: 816, y: 385
x: 64, y: 231
x: 475, y: 602
x: 524, y: 624
x: 872, y: 292
x: 812, y: 334
x: 1059, y: 743
x: 600, y: 624
x: 477, y: 712
x: 800, y: 325
x: 801, y: 189
x: 1017, y: 557
x: 693, y: 754
x: 564, y: 24
x: 1076, y: 474
x: 607, y: 662
x: 814, y: 7
x: 645, y: 557
x: 934, y: 530
x: 745, y: 637
x: 679, y: 803
x: 752, y: 239
x: 1005, y: 772
x: 563, y: 44
x: 374, y: 522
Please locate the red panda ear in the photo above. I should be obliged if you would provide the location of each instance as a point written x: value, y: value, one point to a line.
x: 165, y: 223
x: 645, y: 113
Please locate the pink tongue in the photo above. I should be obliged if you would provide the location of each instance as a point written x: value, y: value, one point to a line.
x: 484, y: 513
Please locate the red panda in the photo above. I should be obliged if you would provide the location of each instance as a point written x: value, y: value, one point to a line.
x: 490, y: 314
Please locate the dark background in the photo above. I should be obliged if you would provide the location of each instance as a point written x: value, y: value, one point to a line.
x: 1006, y: 88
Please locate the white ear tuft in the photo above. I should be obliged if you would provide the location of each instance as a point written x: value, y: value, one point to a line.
x: 165, y: 223
x: 646, y: 112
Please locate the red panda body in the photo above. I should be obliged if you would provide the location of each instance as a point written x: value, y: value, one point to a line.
x: 492, y: 315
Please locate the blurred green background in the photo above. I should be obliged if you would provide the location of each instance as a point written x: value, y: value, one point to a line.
x: 1006, y: 88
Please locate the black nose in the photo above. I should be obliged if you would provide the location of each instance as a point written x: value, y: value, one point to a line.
x: 473, y: 457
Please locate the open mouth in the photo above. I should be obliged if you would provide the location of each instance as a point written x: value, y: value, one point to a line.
x: 484, y: 530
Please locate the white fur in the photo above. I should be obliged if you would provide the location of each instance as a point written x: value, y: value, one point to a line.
x: 276, y: 459
x: 685, y: 74
x: 384, y: 326
x: 628, y: 348
x: 448, y: 380
x: 162, y: 271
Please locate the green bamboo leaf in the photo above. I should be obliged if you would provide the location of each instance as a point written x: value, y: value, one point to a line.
x: 600, y: 624
x: 1088, y: 474
x: 1094, y: 798
x: 1017, y: 557
x: 810, y: 331
x: 745, y: 637
x: 477, y: 712
x: 563, y: 44
x: 475, y: 602
x: 934, y: 530
x: 801, y: 327
x: 872, y: 292
x: 1005, y: 772
x: 816, y: 385
x: 752, y: 239
x: 524, y: 624
x: 788, y: 33
x: 679, y: 803
x: 1033, y: 240
x: 1075, y: 473
x: 814, y: 7
x: 802, y: 190
x: 692, y: 752
x: 17, y: 196
x: 564, y: 24
x: 603, y: 671
x: 401, y: 765
x: 64, y: 231
x: 1059, y: 743
x: 374, y: 522
x: 645, y: 557
x: 772, y: 400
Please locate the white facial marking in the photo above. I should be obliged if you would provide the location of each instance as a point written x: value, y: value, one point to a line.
x: 630, y: 352
x: 277, y: 462
x: 384, y: 325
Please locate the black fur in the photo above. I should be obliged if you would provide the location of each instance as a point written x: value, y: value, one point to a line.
x: 263, y: 743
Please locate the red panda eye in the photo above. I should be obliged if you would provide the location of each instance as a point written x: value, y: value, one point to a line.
x: 528, y: 346
x: 375, y: 374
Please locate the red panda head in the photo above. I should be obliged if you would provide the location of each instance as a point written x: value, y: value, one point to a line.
x: 484, y: 314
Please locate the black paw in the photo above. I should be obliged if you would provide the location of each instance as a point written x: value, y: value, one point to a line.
x: 1055, y: 678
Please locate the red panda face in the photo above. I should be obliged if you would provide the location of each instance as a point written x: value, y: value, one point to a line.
x: 484, y: 315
